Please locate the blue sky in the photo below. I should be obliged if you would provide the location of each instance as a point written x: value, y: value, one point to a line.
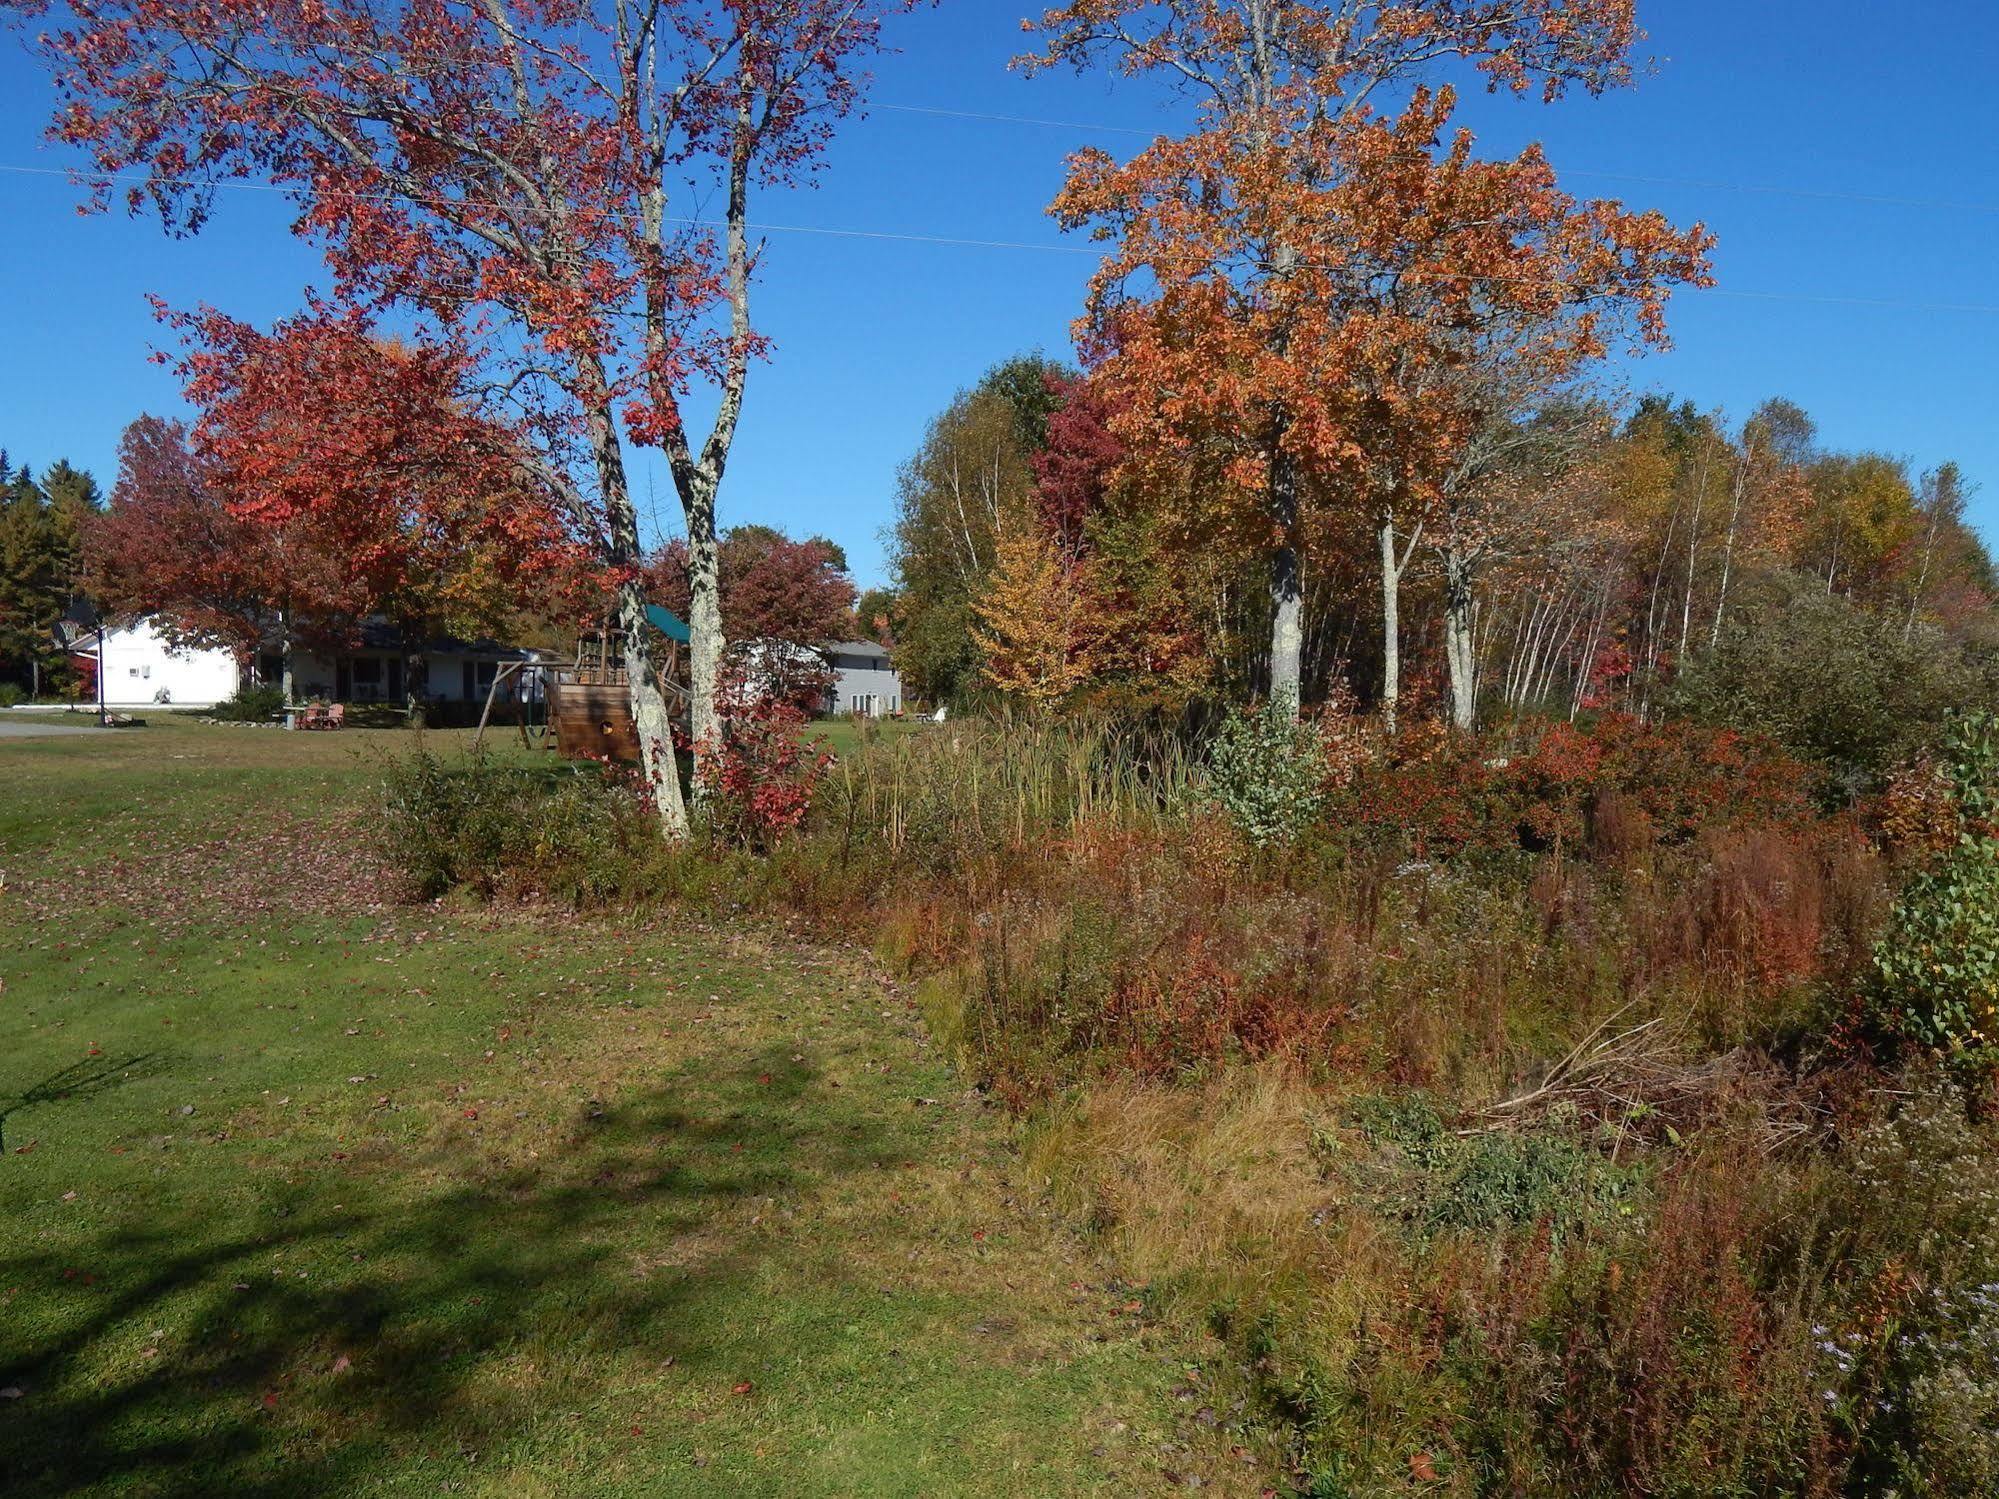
x: 1829, y: 106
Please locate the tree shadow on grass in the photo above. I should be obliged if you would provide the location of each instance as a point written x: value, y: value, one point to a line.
x: 84, y: 1079
x: 450, y: 1305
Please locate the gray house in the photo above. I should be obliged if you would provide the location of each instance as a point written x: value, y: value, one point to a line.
x: 864, y: 681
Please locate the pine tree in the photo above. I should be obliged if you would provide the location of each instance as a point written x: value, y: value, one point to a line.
x: 41, y: 562
x: 74, y: 500
x: 32, y: 594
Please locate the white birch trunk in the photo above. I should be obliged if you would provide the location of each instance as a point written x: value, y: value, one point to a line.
x: 1460, y: 644
x: 1391, y: 625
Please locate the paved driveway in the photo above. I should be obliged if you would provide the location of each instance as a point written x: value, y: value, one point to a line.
x: 24, y: 727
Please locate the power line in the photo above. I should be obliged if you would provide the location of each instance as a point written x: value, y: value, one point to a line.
x: 960, y: 242
x: 1881, y: 200
x: 79, y: 174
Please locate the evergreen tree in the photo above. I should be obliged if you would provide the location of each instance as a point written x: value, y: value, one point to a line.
x: 41, y: 531
x: 74, y: 500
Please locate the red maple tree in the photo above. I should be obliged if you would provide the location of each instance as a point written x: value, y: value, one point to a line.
x: 170, y: 546
x: 1077, y: 462
x: 438, y: 517
x: 521, y: 180
x: 773, y: 588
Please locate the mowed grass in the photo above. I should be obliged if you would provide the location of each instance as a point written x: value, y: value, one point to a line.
x: 307, y: 1193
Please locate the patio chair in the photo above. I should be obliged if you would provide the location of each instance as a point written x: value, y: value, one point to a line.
x: 336, y: 717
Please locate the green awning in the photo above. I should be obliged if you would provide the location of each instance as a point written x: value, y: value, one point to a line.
x: 669, y: 624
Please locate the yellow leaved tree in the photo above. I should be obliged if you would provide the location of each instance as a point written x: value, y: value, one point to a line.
x: 1035, y: 621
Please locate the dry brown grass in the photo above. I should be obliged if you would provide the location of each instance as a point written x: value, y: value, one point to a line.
x: 1208, y: 1194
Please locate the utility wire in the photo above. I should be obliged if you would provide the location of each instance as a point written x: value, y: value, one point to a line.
x: 1881, y: 200
x: 957, y: 242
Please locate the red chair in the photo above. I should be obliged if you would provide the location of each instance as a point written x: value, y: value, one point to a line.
x: 336, y: 717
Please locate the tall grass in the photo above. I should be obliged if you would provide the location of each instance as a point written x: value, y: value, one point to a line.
x: 1506, y: 1125
x: 975, y: 787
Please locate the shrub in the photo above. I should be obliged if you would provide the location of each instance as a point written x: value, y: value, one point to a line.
x: 12, y: 694
x: 1850, y: 690
x: 1937, y: 969
x: 1267, y: 771
x: 758, y: 777
x: 1909, y: 1351
x: 250, y: 705
x: 1610, y: 785
x: 574, y: 834
x: 1437, y: 1179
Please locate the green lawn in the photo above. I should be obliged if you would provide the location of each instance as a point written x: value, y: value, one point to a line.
x: 306, y: 1193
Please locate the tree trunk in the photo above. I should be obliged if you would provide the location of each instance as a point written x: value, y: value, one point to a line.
x: 1391, y: 625
x: 416, y: 688
x: 1923, y: 577
x: 704, y: 620
x: 650, y: 718
x: 285, y: 657
x: 1740, y: 486
x: 1460, y: 651
x: 1287, y: 595
x: 1693, y: 551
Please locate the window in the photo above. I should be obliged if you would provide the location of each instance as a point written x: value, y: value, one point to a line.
x: 478, y: 679
x: 364, y: 678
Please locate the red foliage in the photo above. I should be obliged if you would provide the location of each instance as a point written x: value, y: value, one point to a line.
x: 758, y: 778
x: 433, y: 512
x: 1074, y: 467
x: 1187, y: 1007
x: 170, y: 546
x: 1675, y: 778
x: 773, y: 588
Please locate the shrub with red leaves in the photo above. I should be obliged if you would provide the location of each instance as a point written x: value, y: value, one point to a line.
x: 757, y: 782
x: 1609, y: 777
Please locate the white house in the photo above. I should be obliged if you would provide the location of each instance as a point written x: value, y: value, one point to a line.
x: 864, y: 679
x: 140, y: 669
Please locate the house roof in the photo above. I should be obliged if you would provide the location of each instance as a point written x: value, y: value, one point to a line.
x: 856, y: 648
x: 378, y: 634
x: 372, y: 634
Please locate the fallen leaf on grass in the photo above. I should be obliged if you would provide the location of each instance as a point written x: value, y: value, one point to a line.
x: 744, y: 1388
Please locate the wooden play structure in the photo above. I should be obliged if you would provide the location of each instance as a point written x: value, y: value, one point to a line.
x: 589, y: 701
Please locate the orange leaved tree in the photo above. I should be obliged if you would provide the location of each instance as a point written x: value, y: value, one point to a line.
x: 1291, y: 285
